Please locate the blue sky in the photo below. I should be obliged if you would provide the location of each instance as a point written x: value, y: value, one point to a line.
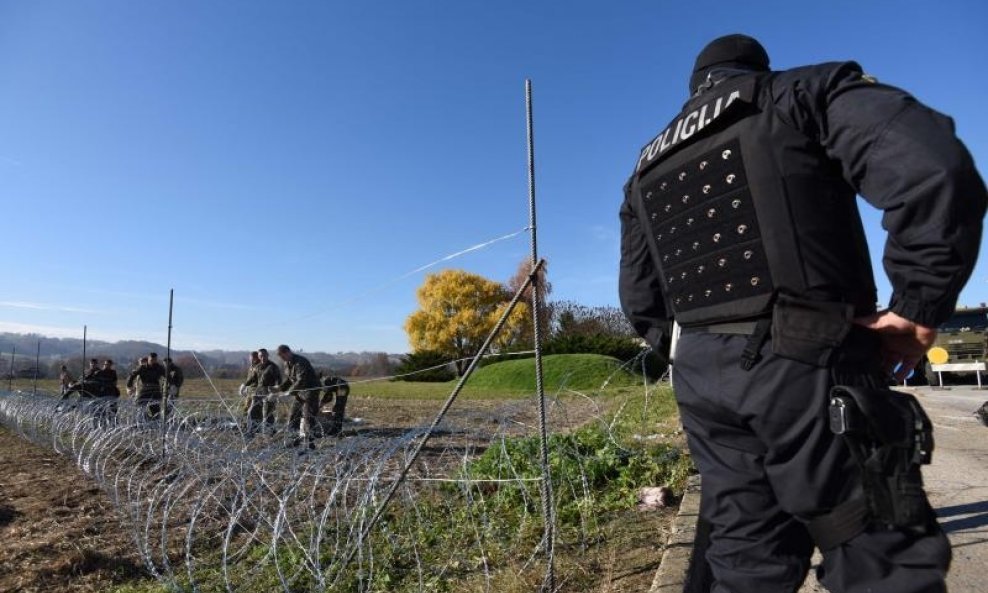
x: 276, y: 163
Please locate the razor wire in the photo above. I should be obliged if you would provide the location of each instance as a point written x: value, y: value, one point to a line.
x: 214, y: 504
x: 220, y: 509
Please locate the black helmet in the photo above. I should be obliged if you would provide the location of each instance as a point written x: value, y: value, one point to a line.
x: 739, y: 51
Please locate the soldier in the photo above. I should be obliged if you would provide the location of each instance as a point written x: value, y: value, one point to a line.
x: 740, y: 222
x: 253, y: 407
x: 175, y: 378
x: 268, y: 380
x: 151, y: 374
x: 153, y: 361
x: 107, y: 377
x: 301, y: 381
x: 88, y: 387
x: 133, y: 389
x: 337, y: 391
x: 64, y: 380
x: 92, y: 370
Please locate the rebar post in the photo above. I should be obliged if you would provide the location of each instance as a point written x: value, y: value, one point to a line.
x: 549, y: 584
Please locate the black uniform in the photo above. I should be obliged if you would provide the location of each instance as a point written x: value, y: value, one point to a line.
x: 301, y: 381
x: 740, y: 222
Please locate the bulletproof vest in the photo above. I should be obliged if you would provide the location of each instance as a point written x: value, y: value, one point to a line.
x: 739, y: 206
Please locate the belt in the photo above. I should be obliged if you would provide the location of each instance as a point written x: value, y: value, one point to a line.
x: 737, y: 328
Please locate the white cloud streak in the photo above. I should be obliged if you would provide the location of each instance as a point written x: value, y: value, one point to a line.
x: 33, y: 306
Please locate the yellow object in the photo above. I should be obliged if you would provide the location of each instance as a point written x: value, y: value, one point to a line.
x: 937, y: 355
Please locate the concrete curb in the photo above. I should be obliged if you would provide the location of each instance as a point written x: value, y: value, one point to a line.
x: 671, y: 575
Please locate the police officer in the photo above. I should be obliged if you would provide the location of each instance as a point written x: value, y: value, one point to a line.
x: 740, y: 222
x: 301, y: 381
x: 151, y: 375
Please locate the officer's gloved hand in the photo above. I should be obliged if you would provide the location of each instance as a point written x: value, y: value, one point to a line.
x: 243, y: 390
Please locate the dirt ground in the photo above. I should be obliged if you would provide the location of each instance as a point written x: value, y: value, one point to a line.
x: 58, y: 530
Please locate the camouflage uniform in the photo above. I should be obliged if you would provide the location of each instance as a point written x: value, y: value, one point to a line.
x: 245, y: 390
x: 149, y: 394
x: 65, y: 379
x: 268, y: 378
x: 90, y: 387
x: 110, y: 393
x: 108, y: 377
x: 264, y: 377
x: 302, y: 381
x: 175, y: 379
x: 336, y: 390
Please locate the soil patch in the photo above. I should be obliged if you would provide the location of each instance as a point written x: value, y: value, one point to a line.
x: 59, y: 530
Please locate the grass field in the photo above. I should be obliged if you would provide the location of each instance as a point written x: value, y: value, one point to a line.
x: 511, y: 379
x: 640, y: 422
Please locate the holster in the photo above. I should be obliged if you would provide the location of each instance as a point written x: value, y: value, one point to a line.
x: 890, y: 437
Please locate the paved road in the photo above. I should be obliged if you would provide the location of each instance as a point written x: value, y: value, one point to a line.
x: 957, y: 481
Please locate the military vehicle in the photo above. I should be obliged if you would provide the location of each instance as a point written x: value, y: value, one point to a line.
x: 965, y: 338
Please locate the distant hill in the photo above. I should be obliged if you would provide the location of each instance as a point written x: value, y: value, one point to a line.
x: 56, y: 351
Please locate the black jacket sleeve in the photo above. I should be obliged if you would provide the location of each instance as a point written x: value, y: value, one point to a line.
x: 639, y: 285
x: 905, y: 159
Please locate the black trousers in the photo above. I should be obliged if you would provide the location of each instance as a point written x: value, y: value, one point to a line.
x: 769, y: 463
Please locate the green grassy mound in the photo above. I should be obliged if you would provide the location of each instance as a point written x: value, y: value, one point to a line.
x: 574, y: 371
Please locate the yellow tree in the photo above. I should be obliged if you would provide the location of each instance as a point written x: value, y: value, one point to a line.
x: 543, y: 286
x: 457, y: 310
